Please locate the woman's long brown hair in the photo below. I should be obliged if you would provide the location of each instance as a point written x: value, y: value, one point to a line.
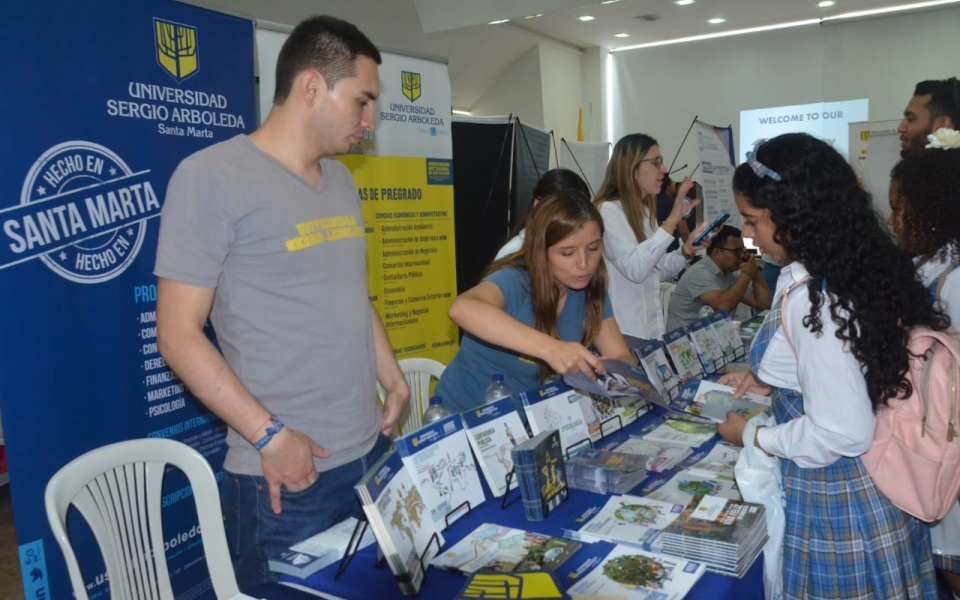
x: 556, y: 217
x: 619, y: 182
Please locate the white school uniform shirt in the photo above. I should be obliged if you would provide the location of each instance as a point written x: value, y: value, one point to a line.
x: 635, y: 271
x: 950, y: 294
x: 838, y: 418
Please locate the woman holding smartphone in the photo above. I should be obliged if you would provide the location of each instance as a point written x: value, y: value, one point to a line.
x: 828, y: 355
x: 634, y: 246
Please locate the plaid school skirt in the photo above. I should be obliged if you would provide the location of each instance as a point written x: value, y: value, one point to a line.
x: 843, y: 538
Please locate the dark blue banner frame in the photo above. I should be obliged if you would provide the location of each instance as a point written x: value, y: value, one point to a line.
x: 102, y: 100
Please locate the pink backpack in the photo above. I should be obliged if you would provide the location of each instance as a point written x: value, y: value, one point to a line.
x: 915, y: 456
x: 914, y: 459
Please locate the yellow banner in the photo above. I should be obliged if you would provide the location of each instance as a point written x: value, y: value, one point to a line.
x: 411, y: 257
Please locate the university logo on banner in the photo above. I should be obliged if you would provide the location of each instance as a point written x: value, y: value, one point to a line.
x: 176, y: 48
x: 410, y: 84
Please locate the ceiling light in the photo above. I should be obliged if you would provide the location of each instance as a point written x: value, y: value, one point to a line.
x: 465, y: 113
x: 721, y: 34
x: 716, y: 20
x: 889, y: 9
x: 533, y: 16
x: 498, y: 22
x: 826, y: 3
x: 586, y: 18
x: 609, y: 1
x: 684, y: 2
x: 621, y: 35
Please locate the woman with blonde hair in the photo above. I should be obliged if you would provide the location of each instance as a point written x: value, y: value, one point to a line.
x: 538, y: 309
x: 634, y: 246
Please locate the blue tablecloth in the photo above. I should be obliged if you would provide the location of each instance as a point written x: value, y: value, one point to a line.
x: 363, y: 580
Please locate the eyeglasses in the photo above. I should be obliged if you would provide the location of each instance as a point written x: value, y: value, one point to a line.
x: 657, y: 161
x: 737, y: 251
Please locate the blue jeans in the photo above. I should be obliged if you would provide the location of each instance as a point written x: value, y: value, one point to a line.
x: 254, y: 532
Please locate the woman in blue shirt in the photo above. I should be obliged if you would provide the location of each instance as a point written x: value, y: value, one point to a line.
x: 538, y: 309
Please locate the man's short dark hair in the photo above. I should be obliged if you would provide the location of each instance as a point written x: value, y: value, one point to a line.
x: 944, y: 98
x: 326, y: 44
x: 720, y: 240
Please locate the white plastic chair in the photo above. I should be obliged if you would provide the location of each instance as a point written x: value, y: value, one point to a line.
x: 418, y: 372
x: 117, y: 490
x: 666, y: 290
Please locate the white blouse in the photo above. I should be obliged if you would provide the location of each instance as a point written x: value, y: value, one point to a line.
x: 950, y: 294
x: 838, y: 417
x: 513, y: 245
x: 636, y: 270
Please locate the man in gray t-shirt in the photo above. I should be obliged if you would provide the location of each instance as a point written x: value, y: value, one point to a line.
x: 721, y: 279
x: 266, y: 238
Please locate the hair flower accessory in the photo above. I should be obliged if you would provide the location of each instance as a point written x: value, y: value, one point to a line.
x: 758, y: 167
x: 944, y: 138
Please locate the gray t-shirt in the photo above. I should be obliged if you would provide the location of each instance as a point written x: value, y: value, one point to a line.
x: 291, y: 310
x: 699, y: 279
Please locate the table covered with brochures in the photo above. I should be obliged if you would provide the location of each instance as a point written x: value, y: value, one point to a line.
x: 363, y: 579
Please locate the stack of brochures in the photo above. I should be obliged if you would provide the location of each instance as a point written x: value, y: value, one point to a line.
x: 606, y: 472
x: 726, y: 535
x: 541, y: 473
x: 630, y: 520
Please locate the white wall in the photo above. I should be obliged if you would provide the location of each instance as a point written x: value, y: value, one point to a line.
x: 518, y: 92
x: 593, y: 93
x: 660, y: 90
x: 560, y: 77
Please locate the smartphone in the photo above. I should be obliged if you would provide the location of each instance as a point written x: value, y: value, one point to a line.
x: 711, y: 228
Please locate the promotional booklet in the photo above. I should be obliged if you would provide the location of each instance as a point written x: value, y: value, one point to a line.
x: 438, y: 456
x: 396, y: 511
x: 713, y: 401
x: 627, y: 573
x: 681, y: 433
x: 660, y: 457
x: 680, y: 349
x: 316, y: 552
x: 729, y: 336
x: 623, y: 383
x: 494, y: 430
x: 625, y: 519
x: 492, y: 547
x: 653, y: 359
x: 717, y: 462
x: 542, y: 474
x: 706, y: 344
x: 556, y: 406
x: 684, y: 485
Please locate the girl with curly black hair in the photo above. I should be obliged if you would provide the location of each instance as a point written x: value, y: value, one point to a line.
x: 828, y: 356
x: 924, y: 199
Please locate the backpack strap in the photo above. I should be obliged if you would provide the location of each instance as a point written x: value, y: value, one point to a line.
x: 783, y: 305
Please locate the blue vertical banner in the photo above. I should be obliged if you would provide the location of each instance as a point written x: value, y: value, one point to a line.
x: 101, y: 101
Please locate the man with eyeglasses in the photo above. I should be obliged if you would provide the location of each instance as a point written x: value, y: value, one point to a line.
x: 722, y: 280
x: 935, y: 104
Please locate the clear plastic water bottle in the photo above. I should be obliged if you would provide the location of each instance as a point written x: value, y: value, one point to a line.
x: 497, y: 390
x: 705, y: 311
x: 435, y: 411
